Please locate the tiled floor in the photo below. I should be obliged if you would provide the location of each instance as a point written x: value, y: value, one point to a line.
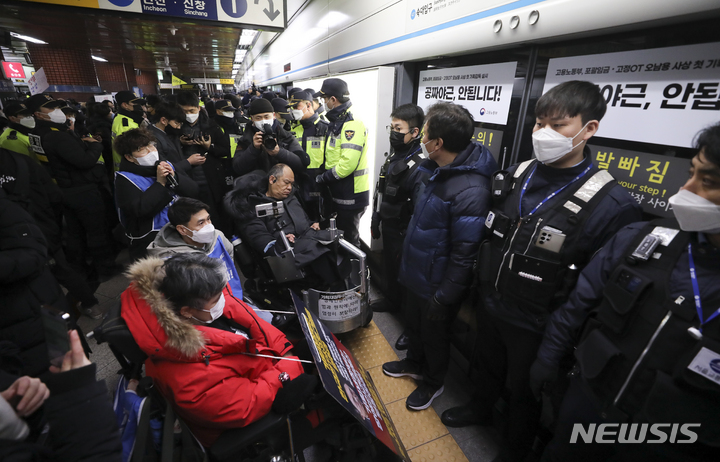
x: 424, y: 436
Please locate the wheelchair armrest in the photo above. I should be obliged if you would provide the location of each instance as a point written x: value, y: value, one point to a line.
x: 231, y: 442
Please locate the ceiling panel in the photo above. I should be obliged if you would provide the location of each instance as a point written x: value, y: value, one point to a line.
x: 144, y: 41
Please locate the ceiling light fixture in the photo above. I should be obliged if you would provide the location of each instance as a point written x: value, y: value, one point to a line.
x: 240, y: 55
x: 27, y: 38
x: 173, y: 29
x: 246, y: 37
x: 98, y: 58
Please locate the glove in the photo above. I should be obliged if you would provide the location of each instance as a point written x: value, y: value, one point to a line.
x: 319, y: 179
x: 375, y: 226
x: 540, y: 375
x: 436, y: 311
x: 293, y: 393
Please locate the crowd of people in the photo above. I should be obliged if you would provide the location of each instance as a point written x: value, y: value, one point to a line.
x: 573, y: 311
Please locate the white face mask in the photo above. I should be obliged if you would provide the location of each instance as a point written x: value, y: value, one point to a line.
x: 204, y: 235
x: 229, y: 115
x: 551, y: 146
x: 216, y: 311
x: 191, y: 117
x: 28, y: 122
x: 695, y: 213
x: 57, y: 116
x: 149, y: 159
x: 297, y: 114
x: 71, y: 119
x: 259, y: 125
x: 424, y: 150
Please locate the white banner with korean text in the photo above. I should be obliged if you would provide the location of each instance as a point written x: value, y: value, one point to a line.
x: 660, y: 96
x: 485, y: 90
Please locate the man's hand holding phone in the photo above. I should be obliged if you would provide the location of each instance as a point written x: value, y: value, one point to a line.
x: 75, y: 358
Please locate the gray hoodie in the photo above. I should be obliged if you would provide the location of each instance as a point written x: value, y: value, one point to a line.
x: 169, y: 242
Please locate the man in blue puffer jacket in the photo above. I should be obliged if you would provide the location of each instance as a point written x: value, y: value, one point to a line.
x: 441, y: 245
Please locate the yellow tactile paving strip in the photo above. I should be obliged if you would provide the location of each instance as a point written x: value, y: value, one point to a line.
x: 415, y: 428
x: 389, y: 388
x: 423, y: 434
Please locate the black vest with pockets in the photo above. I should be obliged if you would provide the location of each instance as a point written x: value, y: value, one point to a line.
x: 534, y: 261
x: 635, y: 348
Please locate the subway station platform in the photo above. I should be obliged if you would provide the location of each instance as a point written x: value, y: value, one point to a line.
x: 424, y: 436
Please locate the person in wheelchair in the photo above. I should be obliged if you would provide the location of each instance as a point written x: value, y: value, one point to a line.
x: 309, y: 243
x: 203, y: 345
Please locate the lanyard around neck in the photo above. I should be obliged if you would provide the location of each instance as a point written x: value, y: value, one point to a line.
x: 696, y: 291
x: 542, y: 202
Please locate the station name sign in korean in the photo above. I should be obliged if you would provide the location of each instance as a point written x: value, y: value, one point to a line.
x: 661, y: 96
x: 268, y: 13
x: 485, y: 90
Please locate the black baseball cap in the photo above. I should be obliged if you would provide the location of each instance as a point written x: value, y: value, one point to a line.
x: 333, y: 87
x: 280, y: 105
x: 16, y: 108
x: 127, y: 96
x: 35, y: 102
x: 224, y: 105
x: 260, y: 106
x: 299, y: 96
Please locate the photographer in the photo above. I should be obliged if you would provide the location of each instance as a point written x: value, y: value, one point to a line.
x: 145, y: 186
x: 213, y: 177
x: 266, y: 143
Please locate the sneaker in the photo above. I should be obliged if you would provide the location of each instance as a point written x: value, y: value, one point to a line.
x: 93, y: 312
x: 422, y: 397
x: 402, y: 368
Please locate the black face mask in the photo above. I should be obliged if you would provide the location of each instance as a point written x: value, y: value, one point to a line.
x: 173, y: 131
x: 397, y: 140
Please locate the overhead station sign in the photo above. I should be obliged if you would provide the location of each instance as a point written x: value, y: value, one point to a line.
x: 660, y: 96
x: 264, y: 13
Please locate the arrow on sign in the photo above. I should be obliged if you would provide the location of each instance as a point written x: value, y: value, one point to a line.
x: 271, y: 14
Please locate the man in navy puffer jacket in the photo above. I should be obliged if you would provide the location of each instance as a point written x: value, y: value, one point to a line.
x: 441, y: 245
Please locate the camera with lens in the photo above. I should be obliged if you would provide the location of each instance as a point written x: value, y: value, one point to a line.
x: 269, y: 139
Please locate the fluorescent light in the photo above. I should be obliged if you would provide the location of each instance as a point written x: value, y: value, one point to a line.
x: 27, y: 39
x: 240, y: 55
x: 98, y: 58
x: 246, y: 37
x: 236, y: 66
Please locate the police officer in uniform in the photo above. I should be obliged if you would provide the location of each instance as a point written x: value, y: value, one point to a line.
x: 15, y: 137
x: 649, y: 352
x: 225, y: 133
x: 76, y: 165
x: 346, y: 174
x: 310, y: 131
x: 399, y: 184
x: 131, y: 114
x: 549, y: 216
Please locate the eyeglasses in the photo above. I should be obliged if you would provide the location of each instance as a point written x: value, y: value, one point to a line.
x: 145, y: 150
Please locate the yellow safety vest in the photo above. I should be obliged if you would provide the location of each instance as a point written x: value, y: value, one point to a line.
x: 15, y: 141
x: 345, y: 155
x: 120, y: 125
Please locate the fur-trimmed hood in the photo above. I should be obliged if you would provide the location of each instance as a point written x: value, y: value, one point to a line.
x: 176, y: 333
